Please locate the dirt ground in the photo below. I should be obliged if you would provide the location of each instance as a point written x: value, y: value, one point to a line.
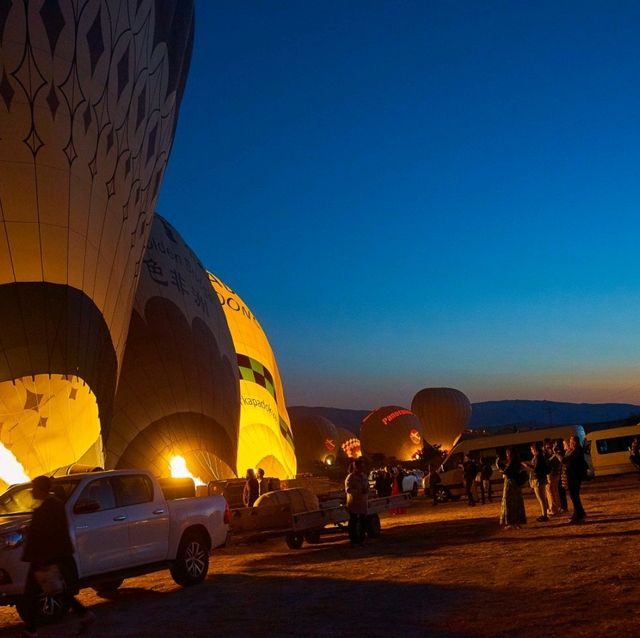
x: 437, y: 572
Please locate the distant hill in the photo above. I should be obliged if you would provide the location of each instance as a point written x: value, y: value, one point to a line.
x: 499, y: 414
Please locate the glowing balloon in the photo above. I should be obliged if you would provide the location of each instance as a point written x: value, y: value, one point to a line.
x: 444, y: 414
x: 89, y: 96
x: 178, y: 389
x: 265, y: 439
x: 393, y: 432
x: 316, y: 441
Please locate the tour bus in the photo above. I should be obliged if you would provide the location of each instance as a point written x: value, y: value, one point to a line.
x: 452, y: 483
x: 610, y: 449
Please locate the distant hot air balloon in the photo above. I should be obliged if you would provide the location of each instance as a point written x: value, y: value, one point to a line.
x: 444, y: 413
x: 348, y: 443
x: 392, y: 431
x: 316, y: 441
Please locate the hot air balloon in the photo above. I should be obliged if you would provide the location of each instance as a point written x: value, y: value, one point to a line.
x: 348, y: 443
x: 178, y: 392
x: 265, y: 438
x: 88, y: 105
x: 315, y: 439
x: 444, y: 413
x: 393, y: 432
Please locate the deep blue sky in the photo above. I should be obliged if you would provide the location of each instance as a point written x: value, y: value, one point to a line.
x: 413, y: 194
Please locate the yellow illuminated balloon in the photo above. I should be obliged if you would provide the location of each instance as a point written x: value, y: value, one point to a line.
x: 48, y: 421
x: 265, y: 438
x: 89, y: 96
x: 444, y: 414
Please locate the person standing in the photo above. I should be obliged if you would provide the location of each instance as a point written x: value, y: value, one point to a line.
x: 263, y: 483
x: 431, y: 480
x: 539, y: 470
x: 251, y: 489
x: 48, y: 549
x: 512, y: 512
x: 356, y: 486
x: 486, y: 471
x: 553, y: 479
x: 576, y: 467
x: 469, y: 472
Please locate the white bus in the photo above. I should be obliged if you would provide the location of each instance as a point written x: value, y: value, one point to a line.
x: 610, y: 449
x: 452, y: 482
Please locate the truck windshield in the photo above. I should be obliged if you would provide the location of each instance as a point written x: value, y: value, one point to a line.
x: 19, y: 500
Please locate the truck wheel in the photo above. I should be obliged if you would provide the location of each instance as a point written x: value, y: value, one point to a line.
x: 373, y: 526
x: 294, y: 541
x: 442, y: 494
x: 192, y: 561
x: 108, y: 587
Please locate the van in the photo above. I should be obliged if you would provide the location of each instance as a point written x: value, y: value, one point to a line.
x: 609, y: 449
x: 452, y: 482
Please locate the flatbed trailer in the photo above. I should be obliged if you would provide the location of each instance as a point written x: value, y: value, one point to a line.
x: 255, y: 524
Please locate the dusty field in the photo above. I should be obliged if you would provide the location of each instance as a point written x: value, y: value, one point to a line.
x: 437, y: 572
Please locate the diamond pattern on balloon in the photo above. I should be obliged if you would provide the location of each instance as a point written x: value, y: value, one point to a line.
x: 53, y: 101
x: 33, y: 141
x: 53, y: 21
x: 95, y: 41
x: 123, y: 72
x: 70, y: 151
x: 6, y: 90
x: 151, y: 149
x: 142, y: 104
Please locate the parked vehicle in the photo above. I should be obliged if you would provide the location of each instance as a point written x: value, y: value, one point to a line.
x: 121, y: 525
x: 452, y: 483
x: 609, y: 449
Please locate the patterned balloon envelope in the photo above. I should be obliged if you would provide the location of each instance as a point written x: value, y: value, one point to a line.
x: 393, y: 432
x: 89, y: 96
x: 178, y: 390
x: 265, y: 432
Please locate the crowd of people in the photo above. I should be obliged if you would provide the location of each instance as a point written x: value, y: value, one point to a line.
x: 555, y: 470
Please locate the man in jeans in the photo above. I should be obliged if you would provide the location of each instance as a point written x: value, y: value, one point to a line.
x: 356, y: 486
x: 48, y: 544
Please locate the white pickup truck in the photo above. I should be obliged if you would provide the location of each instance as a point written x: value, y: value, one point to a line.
x: 121, y: 525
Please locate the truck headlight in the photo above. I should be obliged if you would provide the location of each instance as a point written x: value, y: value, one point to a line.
x: 10, y: 540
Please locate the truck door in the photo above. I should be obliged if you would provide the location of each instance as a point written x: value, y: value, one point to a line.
x: 100, y: 529
x: 147, y: 517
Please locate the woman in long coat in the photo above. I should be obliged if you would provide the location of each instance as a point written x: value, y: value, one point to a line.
x: 512, y: 513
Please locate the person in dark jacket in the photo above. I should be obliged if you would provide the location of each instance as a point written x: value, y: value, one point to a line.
x: 576, y: 467
x: 469, y: 472
x: 48, y: 546
x: 251, y: 489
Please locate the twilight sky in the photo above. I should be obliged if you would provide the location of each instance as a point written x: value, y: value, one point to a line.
x: 412, y: 194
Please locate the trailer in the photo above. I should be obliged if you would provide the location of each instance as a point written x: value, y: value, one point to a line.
x: 254, y: 524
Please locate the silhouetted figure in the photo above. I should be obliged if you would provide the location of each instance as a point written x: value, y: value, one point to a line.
x: 432, y: 479
x: 263, y: 483
x: 576, y: 466
x: 486, y: 472
x: 469, y: 472
x: 512, y: 512
x: 356, y: 486
x: 553, y: 479
x: 539, y: 470
x: 251, y: 489
x: 48, y: 549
